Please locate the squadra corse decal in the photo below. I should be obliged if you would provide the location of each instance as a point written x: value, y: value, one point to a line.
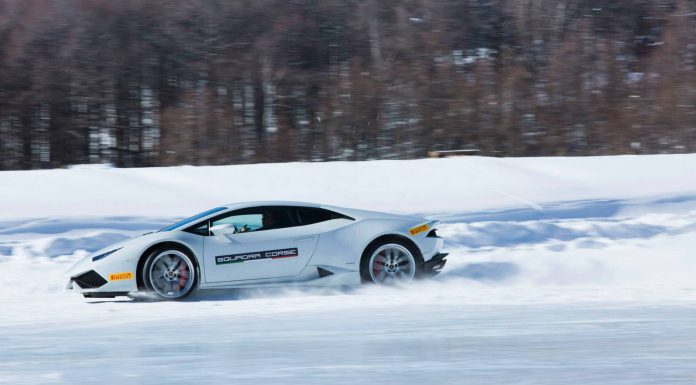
x: 256, y: 255
x: 418, y: 229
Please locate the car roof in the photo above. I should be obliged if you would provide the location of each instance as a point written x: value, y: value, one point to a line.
x: 239, y: 205
x: 353, y: 213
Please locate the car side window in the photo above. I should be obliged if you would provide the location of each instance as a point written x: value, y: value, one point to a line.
x: 240, y: 223
x: 251, y: 219
x: 312, y: 215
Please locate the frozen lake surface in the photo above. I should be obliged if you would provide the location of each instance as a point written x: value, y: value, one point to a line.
x: 392, y: 343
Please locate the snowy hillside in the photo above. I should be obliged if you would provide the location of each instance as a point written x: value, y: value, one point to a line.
x: 454, y: 185
x: 561, y: 271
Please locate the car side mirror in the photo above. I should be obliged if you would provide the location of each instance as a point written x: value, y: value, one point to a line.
x: 223, y: 229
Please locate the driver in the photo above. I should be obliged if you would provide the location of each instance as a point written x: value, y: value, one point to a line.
x: 269, y: 220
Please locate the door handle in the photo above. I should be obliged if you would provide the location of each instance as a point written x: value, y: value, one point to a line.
x: 303, y: 238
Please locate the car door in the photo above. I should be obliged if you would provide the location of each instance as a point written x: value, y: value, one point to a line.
x: 241, y: 248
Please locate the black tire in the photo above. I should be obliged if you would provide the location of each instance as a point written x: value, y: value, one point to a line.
x: 365, y: 274
x: 153, y: 267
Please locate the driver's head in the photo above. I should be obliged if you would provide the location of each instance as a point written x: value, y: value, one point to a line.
x: 269, y: 218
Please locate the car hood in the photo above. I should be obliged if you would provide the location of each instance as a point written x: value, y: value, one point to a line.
x: 118, y: 245
x: 86, y: 263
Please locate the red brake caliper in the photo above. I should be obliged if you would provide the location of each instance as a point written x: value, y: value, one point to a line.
x: 377, y: 269
x: 183, y: 276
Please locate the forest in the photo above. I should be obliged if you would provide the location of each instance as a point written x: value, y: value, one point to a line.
x: 139, y: 83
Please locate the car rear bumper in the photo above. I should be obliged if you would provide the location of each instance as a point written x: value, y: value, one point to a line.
x: 433, y: 266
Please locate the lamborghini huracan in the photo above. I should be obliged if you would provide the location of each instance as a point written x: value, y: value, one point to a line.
x: 264, y: 244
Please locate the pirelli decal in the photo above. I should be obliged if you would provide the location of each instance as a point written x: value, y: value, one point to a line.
x: 256, y: 255
x: 121, y: 276
x: 418, y: 229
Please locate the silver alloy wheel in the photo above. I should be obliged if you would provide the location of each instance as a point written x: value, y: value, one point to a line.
x: 392, y: 263
x: 171, y: 274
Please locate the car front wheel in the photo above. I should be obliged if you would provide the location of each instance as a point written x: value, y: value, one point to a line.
x: 170, y: 274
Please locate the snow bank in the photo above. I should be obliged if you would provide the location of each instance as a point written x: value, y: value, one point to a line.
x: 452, y: 185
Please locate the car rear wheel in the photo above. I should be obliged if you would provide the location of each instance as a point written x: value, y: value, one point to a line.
x: 170, y: 273
x: 390, y: 262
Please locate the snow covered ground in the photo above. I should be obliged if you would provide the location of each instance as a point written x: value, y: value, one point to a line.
x: 562, y: 271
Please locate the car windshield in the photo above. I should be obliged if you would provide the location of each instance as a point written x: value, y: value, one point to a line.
x: 192, y: 219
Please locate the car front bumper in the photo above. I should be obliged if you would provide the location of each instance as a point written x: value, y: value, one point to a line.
x: 110, y: 275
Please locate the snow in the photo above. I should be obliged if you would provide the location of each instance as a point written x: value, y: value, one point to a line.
x: 453, y: 185
x: 562, y: 271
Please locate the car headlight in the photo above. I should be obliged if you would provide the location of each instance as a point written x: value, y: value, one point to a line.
x: 102, y: 256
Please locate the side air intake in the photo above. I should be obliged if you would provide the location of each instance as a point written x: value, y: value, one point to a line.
x: 323, y: 272
x: 89, y: 280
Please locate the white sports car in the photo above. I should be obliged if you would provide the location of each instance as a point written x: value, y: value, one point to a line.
x: 264, y: 244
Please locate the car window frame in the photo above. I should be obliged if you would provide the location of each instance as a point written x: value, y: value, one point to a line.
x: 294, y: 222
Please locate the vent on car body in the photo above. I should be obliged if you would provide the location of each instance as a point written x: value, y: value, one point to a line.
x: 90, y: 280
x: 432, y: 234
x: 323, y: 272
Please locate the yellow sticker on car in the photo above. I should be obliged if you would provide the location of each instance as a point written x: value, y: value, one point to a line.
x: 418, y: 229
x: 121, y: 276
